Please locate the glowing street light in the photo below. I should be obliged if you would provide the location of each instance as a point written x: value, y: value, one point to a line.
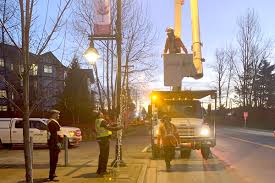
x: 91, y: 54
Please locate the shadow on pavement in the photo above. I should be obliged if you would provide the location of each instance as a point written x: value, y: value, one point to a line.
x: 79, y: 167
x: 87, y: 175
x: 40, y: 180
x: 196, y: 168
x: 22, y: 166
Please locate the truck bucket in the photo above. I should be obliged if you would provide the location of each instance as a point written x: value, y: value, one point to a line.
x: 177, y: 66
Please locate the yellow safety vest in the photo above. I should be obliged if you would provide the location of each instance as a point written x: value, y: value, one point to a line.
x: 100, y: 131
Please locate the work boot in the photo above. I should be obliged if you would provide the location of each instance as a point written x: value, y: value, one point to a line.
x: 168, y: 166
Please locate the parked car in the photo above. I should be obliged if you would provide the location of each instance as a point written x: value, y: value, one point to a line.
x: 11, y: 132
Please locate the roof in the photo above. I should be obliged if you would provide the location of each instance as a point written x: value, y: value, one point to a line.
x: 11, y: 50
x: 198, y: 94
x: 50, y: 54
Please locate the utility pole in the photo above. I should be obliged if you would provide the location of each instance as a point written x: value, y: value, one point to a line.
x: 118, y: 159
x: 119, y: 42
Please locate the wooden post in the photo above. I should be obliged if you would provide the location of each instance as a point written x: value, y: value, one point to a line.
x: 66, y: 149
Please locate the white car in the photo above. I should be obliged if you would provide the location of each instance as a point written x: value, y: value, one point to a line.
x: 11, y: 131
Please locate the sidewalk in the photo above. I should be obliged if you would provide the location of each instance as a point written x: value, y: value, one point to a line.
x: 134, y: 172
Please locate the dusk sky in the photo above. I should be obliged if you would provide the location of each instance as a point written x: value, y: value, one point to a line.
x: 218, y: 21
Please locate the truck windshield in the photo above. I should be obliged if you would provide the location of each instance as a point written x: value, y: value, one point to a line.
x: 181, y: 109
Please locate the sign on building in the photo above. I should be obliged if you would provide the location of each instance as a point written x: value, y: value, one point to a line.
x: 102, y: 18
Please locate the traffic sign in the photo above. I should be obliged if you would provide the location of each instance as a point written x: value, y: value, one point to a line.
x: 245, y: 116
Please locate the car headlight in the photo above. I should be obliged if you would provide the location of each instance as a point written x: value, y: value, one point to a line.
x: 205, y: 131
x: 71, y: 133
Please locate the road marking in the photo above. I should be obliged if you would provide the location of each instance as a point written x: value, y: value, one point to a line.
x: 250, y: 142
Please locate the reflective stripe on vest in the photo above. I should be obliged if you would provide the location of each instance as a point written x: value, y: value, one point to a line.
x: 100, y: 131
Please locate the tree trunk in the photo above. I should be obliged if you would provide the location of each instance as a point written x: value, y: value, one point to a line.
x: 107, y: 79
x: 25, y: 29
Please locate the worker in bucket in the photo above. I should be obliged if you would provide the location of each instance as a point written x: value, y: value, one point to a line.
x: 173, y: 43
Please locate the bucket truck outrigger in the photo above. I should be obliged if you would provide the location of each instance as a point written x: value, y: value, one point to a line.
x: 196, y: 127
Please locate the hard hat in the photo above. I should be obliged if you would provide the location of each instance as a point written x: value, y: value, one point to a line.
x: 169, y: 30
x: 166, y: 118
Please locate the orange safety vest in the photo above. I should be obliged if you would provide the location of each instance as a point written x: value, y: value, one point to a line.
x: 168, y: 134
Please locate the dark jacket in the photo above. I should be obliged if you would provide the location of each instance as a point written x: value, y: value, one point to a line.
x: 54, y: 138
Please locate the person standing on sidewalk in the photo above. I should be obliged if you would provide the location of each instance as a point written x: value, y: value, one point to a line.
x: 55, y: 139
x: 169, y: 138
x: 103, y: 133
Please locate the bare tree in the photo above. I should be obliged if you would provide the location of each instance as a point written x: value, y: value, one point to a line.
x: 219, y: 68
x: 252, y: 49
x: 27, y: 21
x: 230, y: 60
x: 138, y: 39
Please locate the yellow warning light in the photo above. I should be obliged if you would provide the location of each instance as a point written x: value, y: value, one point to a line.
x: 154, y: 98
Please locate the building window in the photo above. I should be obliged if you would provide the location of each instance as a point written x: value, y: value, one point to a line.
x: 11, y: 67
x: 3, y: 108
x: 21, y: 68
x: 34, y: 69
x: 3, y: 94
x: 65, y: 75
x: 35, y: 85
x: 2, y: 63
x: 48, y: 69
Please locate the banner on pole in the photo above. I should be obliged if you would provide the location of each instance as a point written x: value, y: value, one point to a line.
x: 102, y: 18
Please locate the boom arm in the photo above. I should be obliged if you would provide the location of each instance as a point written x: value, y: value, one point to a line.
x: 196, y: 46
x: 178, y: 15
x: 196, y: 42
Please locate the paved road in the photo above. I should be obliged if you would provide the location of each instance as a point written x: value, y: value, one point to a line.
x: 241, y: 156
x: 249, y: 152
x: 193, y: 170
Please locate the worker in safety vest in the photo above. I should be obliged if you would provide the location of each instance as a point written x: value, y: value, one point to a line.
x: 103, y: 133
x: 173, y: 43
x: 168, y: 137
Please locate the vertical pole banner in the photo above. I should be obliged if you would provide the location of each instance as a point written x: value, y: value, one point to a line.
x: 102, y: 18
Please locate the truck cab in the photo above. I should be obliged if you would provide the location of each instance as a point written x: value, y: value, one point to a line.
x: 195, y: 127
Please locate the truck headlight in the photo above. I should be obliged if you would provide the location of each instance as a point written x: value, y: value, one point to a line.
x: 71, y: 133
x: 157, y: 132
x: 205, y: 131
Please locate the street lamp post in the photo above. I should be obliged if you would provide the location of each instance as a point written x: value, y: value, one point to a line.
x: 92, y: 55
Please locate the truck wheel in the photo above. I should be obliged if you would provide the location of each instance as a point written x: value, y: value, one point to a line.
x: 155, y: 152
x: 185, y: 154
x: 205, y: 152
